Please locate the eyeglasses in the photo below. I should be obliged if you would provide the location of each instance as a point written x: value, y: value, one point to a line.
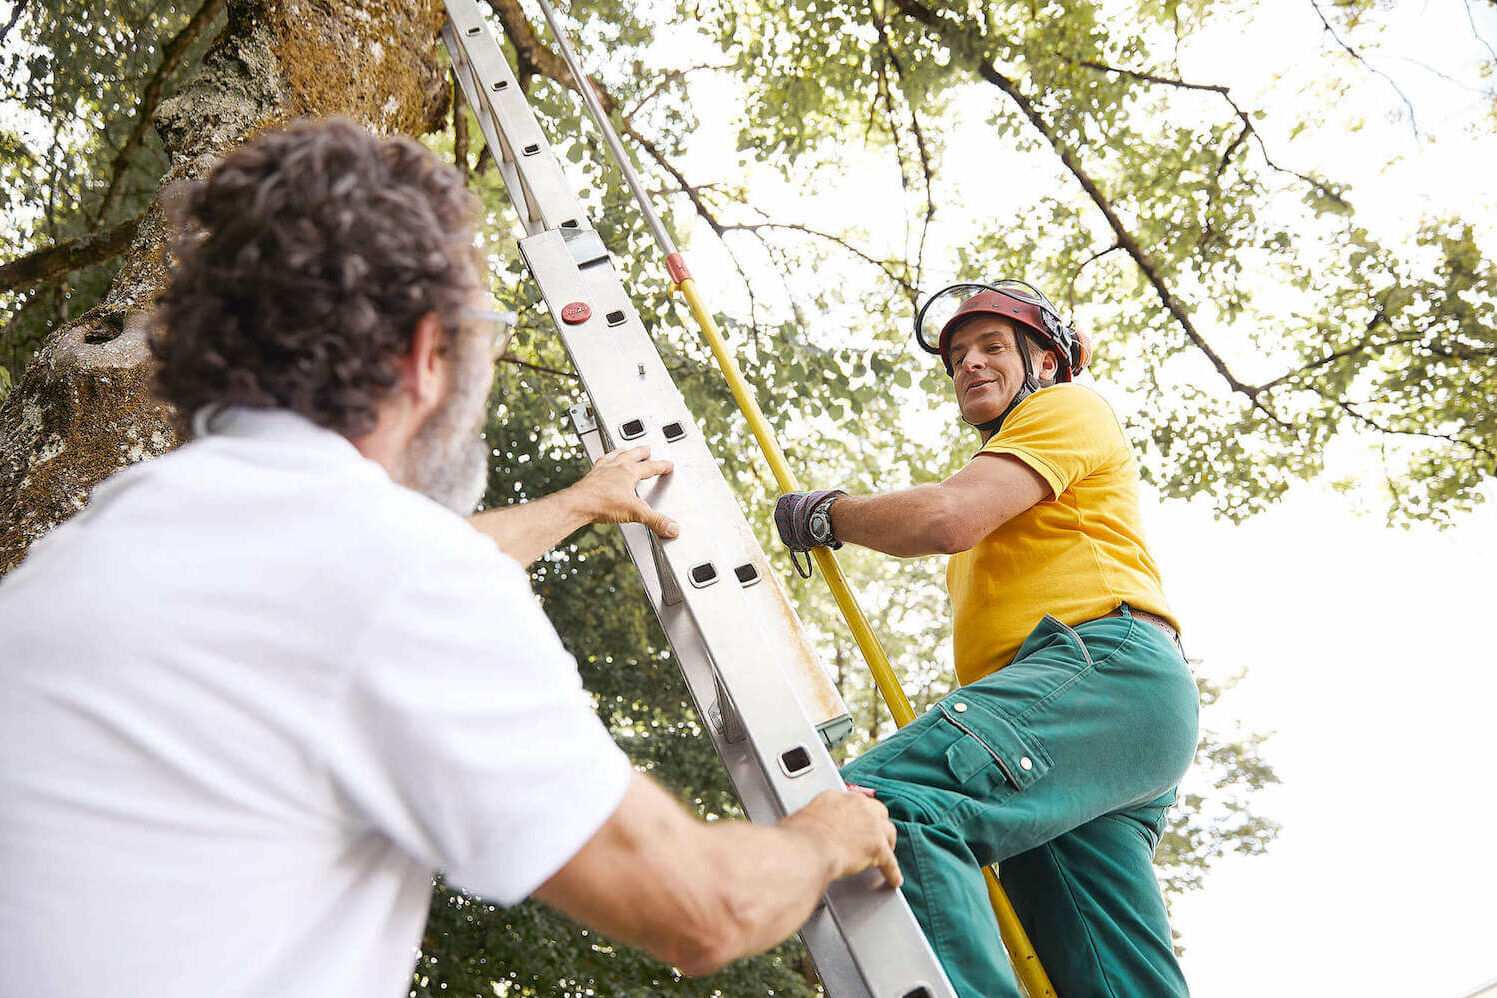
x: 501, y: 327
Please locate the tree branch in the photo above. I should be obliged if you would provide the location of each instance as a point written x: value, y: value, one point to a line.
x: 1321, y: 187
x: 1125, y: 238
x: 537, y: 57
x: 927, y: 171
x: 884, y: 265
x: 1475, y: 33
x: 510, y: 358
x: 692, y: 193
x: 171, y: 58
x: 1377, y: 320
x: 459, y: 130
x: 1076, y: 273
x: 1143, y: 77
x: 69, y: 255
x: 664, y: 80
x: 1368, y: 421
x: 1413, y: 122
x: 484, y: 161
x: 15, y: 16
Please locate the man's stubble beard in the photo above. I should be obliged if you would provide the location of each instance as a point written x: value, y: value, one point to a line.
x: 448, y: 459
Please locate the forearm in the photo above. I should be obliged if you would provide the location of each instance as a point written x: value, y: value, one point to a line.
x: 708, y: 894
x: 796, y: 860
x: 526, y: 531
x: 690, y: 893
x: 906, y: 524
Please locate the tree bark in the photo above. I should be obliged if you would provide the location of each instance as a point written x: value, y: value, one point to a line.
x: 83, y: 408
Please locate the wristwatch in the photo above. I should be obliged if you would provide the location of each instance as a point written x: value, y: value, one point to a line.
x: 819, y: 524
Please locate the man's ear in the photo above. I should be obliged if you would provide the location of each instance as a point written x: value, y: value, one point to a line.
x: 423, y: 369
x: 1049, y: 366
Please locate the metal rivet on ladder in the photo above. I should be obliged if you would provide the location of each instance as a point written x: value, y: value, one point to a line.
x: 703, y: 575
x: 674, y: 432
x: 616, y: 317
x: 531, y: 149
x: 500, y: 84
x: 796, y: 761
x: 633, y: 428
x: 575, y: 312
x: 747, y: 575
x: 959, y: 707
x: 1026, y: 763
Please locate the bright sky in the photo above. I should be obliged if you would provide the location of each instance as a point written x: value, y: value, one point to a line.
x: 1364, y: 645
x: 1367, y: 657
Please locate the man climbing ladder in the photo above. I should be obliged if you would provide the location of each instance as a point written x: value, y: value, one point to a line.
x: 1059, y: 755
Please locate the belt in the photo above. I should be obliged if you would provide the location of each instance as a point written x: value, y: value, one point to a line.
x: 1148, y: 618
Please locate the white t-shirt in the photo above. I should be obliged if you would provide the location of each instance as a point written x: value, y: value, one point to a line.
x: 250, y: 699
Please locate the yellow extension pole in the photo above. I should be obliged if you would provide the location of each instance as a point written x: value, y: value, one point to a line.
x: 1026, y: 962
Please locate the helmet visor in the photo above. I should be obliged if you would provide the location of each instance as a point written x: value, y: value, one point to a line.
x: 938, y: 310
x: 941, y: 307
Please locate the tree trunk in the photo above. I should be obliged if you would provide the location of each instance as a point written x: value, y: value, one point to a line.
x: 83, y: 408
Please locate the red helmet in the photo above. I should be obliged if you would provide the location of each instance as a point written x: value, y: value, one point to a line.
x: 1016, y: 301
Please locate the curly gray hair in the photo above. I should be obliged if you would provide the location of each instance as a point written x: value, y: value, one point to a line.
x: 304, y: 262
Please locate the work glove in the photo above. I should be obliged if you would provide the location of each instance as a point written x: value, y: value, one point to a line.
x: 792, y: 515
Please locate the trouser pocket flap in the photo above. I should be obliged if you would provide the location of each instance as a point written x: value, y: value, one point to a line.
x: 967, y: 757
x: 993, y: 739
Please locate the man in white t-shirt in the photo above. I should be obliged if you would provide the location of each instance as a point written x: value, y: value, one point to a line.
x: 263, y: 687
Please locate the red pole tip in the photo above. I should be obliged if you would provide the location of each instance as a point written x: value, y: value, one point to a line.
x: 675, y: 264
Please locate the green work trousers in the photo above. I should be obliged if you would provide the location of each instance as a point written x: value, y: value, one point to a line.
x: 1062, y: 767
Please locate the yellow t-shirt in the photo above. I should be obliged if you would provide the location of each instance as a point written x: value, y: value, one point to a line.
x: 1076, y: 555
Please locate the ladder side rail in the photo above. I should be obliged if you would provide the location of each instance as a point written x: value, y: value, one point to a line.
x: 821, y: 934
x: 624, y: 377
x: 692, y: 657
x: 532, y: 174
x: 473, y: 86
x: 636, y: 401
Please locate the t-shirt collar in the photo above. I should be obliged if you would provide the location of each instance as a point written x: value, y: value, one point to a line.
x: 280, y: 425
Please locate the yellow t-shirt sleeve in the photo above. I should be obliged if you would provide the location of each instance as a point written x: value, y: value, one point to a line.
x: 1065, y: 433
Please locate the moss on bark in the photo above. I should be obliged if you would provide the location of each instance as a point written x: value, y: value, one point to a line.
x: 83, y: 407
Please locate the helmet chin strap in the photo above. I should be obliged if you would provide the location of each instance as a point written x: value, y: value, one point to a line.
x: 1029, y: 387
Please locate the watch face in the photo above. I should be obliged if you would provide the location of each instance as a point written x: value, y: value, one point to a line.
x: 820, y: 526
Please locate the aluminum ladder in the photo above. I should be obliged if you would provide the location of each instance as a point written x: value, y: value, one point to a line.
x: 766, y: 702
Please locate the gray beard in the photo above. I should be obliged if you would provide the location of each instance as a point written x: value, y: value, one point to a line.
x: 448, y: 459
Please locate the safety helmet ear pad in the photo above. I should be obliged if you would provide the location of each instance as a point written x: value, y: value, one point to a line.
x: 1083, y: 349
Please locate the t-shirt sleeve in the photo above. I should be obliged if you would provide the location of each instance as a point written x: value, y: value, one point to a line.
x: 468, y: 739
x: 1065, y: 433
